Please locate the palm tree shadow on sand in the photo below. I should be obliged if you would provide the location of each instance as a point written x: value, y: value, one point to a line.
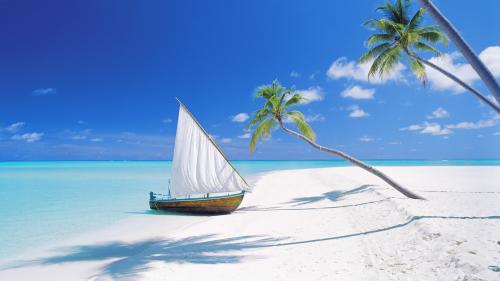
x: 130, y: 259
x: 127, y: 260
x: 334, y: 196
x: 331, y: 195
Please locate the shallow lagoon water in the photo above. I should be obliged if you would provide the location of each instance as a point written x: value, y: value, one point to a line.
x: 44, y: 202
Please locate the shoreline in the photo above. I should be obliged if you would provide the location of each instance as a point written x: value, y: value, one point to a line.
x: 277, y: 230
x: 495, y: 160
x: 145, y: 218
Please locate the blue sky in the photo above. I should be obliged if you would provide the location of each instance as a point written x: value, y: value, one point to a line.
x: 85, y: 80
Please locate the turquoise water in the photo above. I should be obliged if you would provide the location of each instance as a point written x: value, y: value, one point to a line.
x: 43, y: 202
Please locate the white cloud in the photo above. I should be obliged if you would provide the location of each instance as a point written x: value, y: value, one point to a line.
x: 81, y: 122
x: 450, y: 62
x: 366, y: 139
x: 44, y: 92
x: 439, y: 113
x: 225, y: 140
x: 166, y: 121
x: 96, y: 140
x: 341, y: 68
x: 240, y: 117
x: 79, y: 137
x: 358, y: 93
x: 486, y: 123
x: 29, y: 137
x: 415, y: 127
x: 294, y: 74
x: 14, y: 127
x: 496, y: 133
x: 434, y: 129
x: 357, y: 112
x: 453, y: 62
x: 493, y: 99
x: 491, y: 58
x: 395, y: 142
x: 311, y: 95
x: 245, y: 136
x: 314, y: 118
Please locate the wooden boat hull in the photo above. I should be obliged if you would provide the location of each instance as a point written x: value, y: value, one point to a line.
x: 210, y: 205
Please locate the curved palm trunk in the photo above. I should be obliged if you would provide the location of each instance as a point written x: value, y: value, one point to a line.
x: 356, y: 162
x: 458, y: 81
x: 466, y: 50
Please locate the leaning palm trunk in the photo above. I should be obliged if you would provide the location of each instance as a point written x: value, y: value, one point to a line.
x: 356, y: 162
x: 466, y: 50
x: 458, y: 81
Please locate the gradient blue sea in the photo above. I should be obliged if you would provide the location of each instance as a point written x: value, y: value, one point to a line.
x: 44, y: 202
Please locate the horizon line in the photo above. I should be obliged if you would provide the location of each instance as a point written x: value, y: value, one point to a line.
x: 338, y: 160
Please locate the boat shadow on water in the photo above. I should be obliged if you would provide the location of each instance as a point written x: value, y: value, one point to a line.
x: 170, y: 213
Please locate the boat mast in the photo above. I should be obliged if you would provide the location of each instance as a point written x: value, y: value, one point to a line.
x: 211, y: 140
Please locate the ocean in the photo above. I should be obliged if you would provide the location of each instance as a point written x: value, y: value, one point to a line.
x: 44, y: 202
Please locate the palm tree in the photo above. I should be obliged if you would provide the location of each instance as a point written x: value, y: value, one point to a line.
x: 276, y: 112
x: 397, y: 34
x: 466, y: 50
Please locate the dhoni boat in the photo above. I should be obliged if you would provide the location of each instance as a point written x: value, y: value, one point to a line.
x: 203, y: 180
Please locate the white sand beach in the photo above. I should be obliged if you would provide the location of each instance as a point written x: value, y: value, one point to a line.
x: 316, y: 224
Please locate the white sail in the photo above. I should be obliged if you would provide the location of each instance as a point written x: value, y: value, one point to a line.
x: 198, y: 166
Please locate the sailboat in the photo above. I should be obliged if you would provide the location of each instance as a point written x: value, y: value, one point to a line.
x: 203, y: 180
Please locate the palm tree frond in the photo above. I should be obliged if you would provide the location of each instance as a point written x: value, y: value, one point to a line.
x: 378, y: 62
x: 420, y: 46
x: 274, y: 101
x: 417, y: 18
x: 294, y: 100
x: 285, y: 93
x: 374, y: 52
x: 296, y: 113
x: 259, y: 115
x: 433, y: 37
x: 392, y: 57
x: 389, y: 11
x: 403, y: 7
x: 274, y: 112
x: 263, y: 131
x: 263, y: 91
x: 401, y: 34
x: 298, y: 119
x: 266, y: 129
x: 419, y: 70
x: 382, y: 25
x: 396, y: 13
x: 376, y: 38
x: 253, y: 140
x: 268, y: 91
